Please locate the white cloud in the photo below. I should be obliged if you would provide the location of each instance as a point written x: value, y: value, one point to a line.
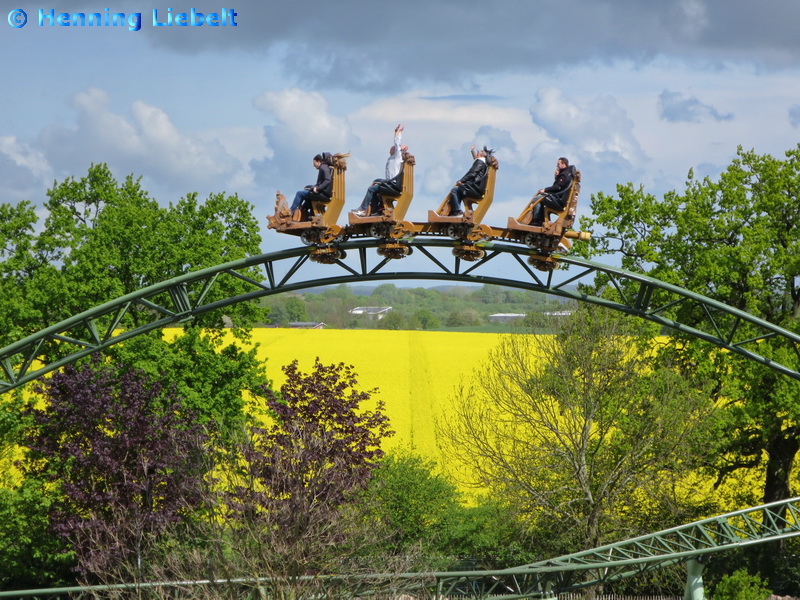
x: 596, y: 131
x: 24, y: 171
x: 171, y: 152
x: 146, y: 142
x: 305, y: 117
x: 301, y: 126
x: 696, y: 19
x: 675, y: 107
x: 25, y: 156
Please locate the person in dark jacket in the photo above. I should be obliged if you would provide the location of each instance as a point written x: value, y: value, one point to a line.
x: 320, y: 191
x: 554, y: 196
x: 472, y: 184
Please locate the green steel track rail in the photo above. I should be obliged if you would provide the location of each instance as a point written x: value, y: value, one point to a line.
x: 770, y: 522
x: 545, y: 579
x: 187, y: 296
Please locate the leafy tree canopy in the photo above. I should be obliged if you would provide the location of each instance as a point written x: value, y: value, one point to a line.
x: 126, y: 456
x: 577, y: 429
x: 737, y: 240
x: 102, y: 239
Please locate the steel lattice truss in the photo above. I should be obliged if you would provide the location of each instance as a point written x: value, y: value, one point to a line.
x: 545, y: 579
x: 195, y: 293
x: 779, y: 520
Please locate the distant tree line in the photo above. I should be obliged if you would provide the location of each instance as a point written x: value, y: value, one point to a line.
x: 442, y: 308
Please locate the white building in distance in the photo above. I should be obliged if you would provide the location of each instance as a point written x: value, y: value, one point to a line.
x: 373, y: 313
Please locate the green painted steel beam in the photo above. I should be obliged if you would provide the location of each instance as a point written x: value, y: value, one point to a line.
x: 760, y: 524
x: 544, y: 579
x: 185, y: 297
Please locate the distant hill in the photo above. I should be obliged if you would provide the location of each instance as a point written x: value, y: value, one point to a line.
x: 366, y: 290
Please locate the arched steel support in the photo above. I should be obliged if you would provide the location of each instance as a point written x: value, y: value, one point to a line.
x: 185, y: 297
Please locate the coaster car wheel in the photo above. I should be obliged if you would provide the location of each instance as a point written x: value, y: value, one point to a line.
x: 380, y: 230
x: 469, y: 253
x: 543, y: 263
x: 457, y: 231
x: 327, y: 255
x: 394, y: 251
x: 531, y: 240
x: 309, y: 236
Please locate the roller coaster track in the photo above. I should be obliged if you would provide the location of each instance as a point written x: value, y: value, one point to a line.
x: 544, y: 579
x: 189, y: 295
x: 770, y: 522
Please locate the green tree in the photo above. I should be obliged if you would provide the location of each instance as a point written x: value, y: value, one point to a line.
x: 277, y: 312
x: 102, y: 239
x: 394, y: 320
x: 340, y: 292
x: 737, y: 240
x: 576, y: 428
x: 30, y: 556
x: 218, y: 379
x: 331, y: 306
x: 419, y: 504
x: 389, y: 294
x: 489, y: 533
x: 29, y: 277
x: 465, y: 317
x: 740, y: 585
x: 424, y: 509
x: 426, y: 318
x: 295, y: 309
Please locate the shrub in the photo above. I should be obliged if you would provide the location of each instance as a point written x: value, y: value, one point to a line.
x: 740, y: 586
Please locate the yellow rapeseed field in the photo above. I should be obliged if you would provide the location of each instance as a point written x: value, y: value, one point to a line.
x: 415, y: 372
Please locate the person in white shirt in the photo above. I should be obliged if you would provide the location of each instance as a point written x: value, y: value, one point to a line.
x: 392, y: 184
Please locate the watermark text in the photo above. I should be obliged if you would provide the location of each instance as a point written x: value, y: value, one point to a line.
x: 48, y: 17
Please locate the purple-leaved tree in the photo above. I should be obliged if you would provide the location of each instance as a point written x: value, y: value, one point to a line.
x: 294, y: 500
x: 128, y: 458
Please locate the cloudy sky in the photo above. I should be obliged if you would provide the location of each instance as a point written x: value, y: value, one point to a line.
x: 629, y: 90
